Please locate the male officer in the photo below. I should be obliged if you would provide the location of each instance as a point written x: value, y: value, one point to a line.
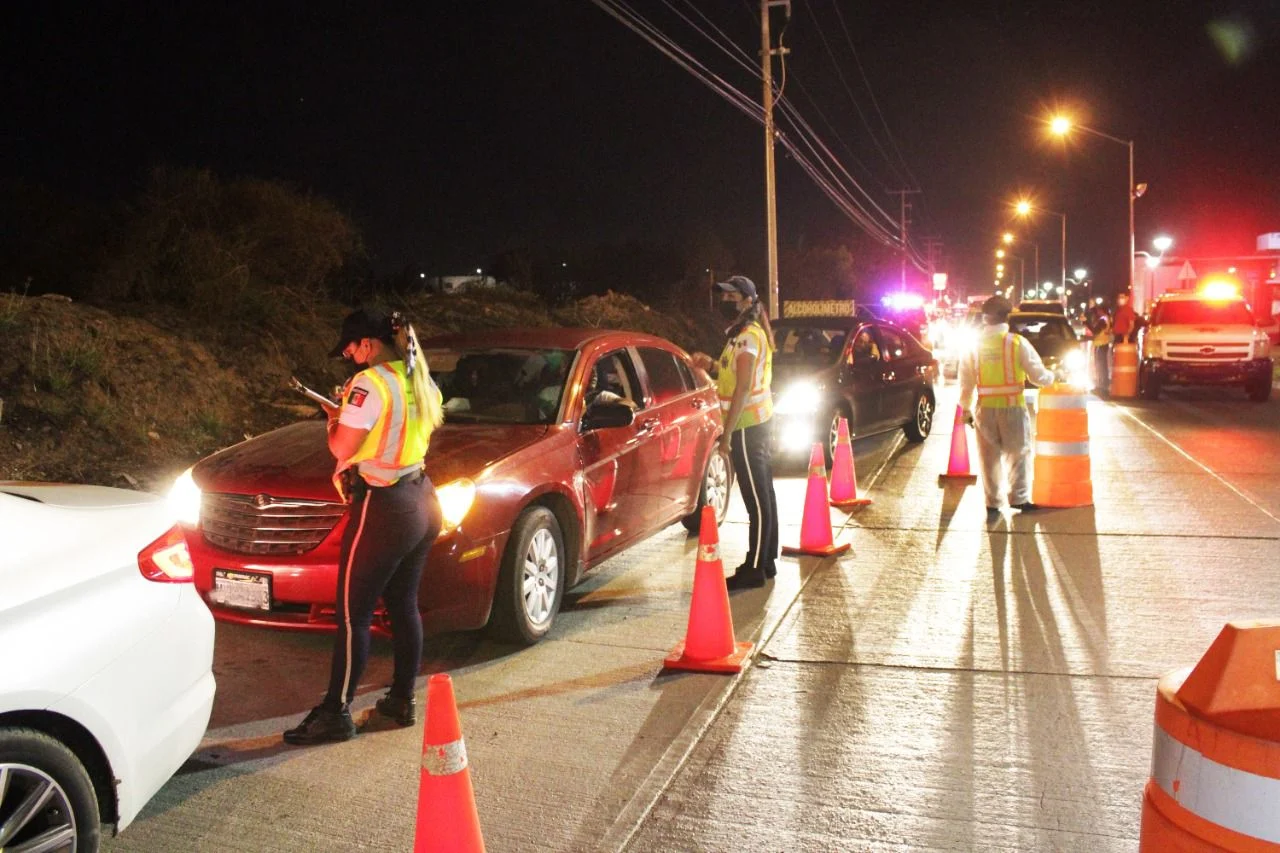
x: 998, y: 368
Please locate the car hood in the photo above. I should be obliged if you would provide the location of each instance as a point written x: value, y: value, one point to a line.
x: 68, y: 495
x: 294, y: 461
x: 1206, y: 333
x: 819, y: 371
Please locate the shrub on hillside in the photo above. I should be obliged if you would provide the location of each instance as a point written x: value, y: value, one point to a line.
x: 242, y: 255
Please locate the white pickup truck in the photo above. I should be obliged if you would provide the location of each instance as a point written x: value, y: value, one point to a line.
x: 1196, y: 338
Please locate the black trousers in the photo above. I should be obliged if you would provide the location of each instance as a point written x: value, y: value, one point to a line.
x: 1102, y: 368
x: 384, y: 550
x: 751, y: 452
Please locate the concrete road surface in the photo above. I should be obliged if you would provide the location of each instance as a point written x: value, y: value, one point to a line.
x: 950, y: 684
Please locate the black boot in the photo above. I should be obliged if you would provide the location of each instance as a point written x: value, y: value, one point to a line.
x: 743, y: 579
x: 399, y: 709
x: 322, y: 725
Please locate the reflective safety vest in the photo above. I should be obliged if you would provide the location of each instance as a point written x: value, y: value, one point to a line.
x: 1001, y: 378
x: 397, y: 443
x: 759, y: 405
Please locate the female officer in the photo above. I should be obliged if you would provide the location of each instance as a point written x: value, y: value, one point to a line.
x: 380, y: 433
x: 744, y: 376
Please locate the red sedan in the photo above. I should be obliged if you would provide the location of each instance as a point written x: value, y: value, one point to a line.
x: 561, y: 448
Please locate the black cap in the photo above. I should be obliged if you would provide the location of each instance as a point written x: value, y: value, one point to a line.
x: 997, y: 307
x: 739, y: 284
x: 359, y: 325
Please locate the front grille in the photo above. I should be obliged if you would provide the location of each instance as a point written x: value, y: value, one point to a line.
x: 263, y: 525
x: 1219, y: 352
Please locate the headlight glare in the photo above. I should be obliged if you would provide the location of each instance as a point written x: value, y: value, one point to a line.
x: 456, y: 499
x: 799, y: 398
x: 184, y: 499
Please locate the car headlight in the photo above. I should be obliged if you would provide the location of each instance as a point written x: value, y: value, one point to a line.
x: 184, y: 499
x: 1076, y: 362
x: 456, y: 499
x: 799, y: 398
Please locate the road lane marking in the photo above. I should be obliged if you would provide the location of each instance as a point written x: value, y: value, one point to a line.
x: 1214, y: 474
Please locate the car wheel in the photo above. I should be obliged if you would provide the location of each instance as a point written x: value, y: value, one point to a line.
x: 921, y: 423
x: 717, y: 483
x: 833, y: 433
x: 531, y: 580
x: 1259, y: 390
x: 46, y: 797
x: 1149, y: 387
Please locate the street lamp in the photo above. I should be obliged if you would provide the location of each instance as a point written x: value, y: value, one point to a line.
x: 1025, y: 208
x: 1061, y: 126
x: 1006, y: 237
x: 1162, y: 243
x: 1080, y: 273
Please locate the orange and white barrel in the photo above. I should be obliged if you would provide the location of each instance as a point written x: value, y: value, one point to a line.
x: 1210, y: 789
x: 1062, y: 475
x: 1215, y: 758
x: 1124, y: 370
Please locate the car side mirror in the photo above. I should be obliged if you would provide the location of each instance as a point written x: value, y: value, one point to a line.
x: 603, y: 415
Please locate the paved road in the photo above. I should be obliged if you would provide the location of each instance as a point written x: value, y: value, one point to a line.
x: 951, y: 684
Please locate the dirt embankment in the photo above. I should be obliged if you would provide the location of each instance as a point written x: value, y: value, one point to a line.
x: 131, y: 397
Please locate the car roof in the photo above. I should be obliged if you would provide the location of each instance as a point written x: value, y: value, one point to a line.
x: 544, y: 337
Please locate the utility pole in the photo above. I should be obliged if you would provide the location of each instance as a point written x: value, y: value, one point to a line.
x: 933, y: 252
x: 770, y: 189
x: 902, y: 231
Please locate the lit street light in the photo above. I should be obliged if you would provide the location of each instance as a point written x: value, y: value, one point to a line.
x: 1007, y: 237
x: 1080, y: 273
x: 1025, y: 208
x: 1061, y: 126
x: 1162, y: 243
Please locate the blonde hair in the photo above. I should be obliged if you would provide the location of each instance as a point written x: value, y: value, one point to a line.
x: 427, y: 398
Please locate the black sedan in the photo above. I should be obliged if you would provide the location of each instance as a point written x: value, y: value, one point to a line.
x: 1057, y: 344
x: 873, y: 373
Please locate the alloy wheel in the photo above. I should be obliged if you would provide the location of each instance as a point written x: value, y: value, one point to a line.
x: 540, y: 576
x: 924, y: 414
x: 717, y: 485
x: 36, y: 812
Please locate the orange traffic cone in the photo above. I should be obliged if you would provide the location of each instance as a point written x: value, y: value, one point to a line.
x: 844, y: 478
x: 708, y: 645
x: 447, y: 819
x: 815, y: 524
x: 958, y: 466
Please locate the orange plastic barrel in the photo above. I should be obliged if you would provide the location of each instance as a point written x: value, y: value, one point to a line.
x: 1062, y: 475
x: 1215, y: 763
x: 1124, y: 370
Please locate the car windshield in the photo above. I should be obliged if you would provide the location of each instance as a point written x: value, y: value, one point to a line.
x: 1231, y: 312
x: 809, y: 342
x: 500, y: 385
x: 1042, y: 330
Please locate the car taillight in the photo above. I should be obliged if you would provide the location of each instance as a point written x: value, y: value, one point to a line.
x: 167, y: 560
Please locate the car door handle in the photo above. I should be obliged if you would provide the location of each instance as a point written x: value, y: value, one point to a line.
x: 647, y: 425
x: 699, y: 403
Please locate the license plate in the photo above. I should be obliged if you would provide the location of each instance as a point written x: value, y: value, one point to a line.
x: 249, y: 590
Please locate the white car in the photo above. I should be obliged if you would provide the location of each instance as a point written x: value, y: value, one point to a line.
x: 106, y: 681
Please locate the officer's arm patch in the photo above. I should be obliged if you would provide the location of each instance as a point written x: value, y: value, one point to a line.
x: 357, y: 397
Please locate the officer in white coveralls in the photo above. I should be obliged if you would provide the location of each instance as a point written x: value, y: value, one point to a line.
x: 998, y: 369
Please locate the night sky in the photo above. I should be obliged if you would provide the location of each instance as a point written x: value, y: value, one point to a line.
x: 451, y: 131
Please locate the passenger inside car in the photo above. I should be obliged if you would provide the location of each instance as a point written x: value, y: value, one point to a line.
x: 864, y: 347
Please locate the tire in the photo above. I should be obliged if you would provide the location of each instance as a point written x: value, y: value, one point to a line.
x: 534, y: 560
x: 35, y: 762
x: 921, y: 423
x: 833, y: 428
x: 1259, y: 390
x: 717, y: 484
x: 1149, y: 386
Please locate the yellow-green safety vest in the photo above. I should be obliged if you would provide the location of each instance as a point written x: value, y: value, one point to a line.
x: 759, y: 405
x: 1001, y: 378
x: 397, y: 443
